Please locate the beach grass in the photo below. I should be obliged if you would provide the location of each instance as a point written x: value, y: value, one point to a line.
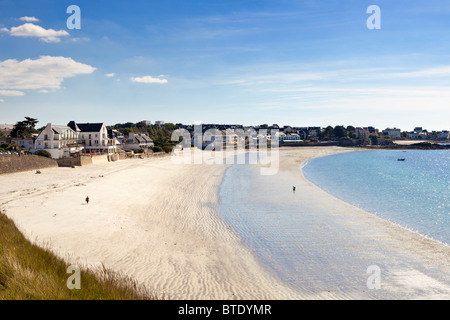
x: 29, y: 272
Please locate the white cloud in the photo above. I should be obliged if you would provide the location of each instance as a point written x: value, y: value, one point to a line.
x: 443, y: 71
x: 44, y: 73
x: 110, y: 75
x: 1, y: 100
x: 11, y: 93
x: 32, y: 30
x: 29, y: 19
x: 148, y: 79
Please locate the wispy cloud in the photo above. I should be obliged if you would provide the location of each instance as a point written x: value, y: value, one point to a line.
x: 148, y: 79
x: 11, y: 93
x: 442, y: 71
x: 32, y: 30
x: 29, y: 19
x: 110, y: 75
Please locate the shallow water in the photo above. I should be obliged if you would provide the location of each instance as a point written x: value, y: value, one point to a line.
x: 414, y: 193
x: 312, y: 245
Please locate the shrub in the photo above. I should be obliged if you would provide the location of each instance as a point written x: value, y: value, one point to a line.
x: 157, y: 149
x: 43, y: 153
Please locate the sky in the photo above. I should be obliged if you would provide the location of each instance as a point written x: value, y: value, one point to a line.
x: 289, y: 62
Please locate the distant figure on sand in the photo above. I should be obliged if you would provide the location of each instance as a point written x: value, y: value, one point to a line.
x: 87, y: 200
x: 293, y: 188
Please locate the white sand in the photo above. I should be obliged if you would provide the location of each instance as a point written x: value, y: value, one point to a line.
x: 150, y: 219
x: 156, y: 222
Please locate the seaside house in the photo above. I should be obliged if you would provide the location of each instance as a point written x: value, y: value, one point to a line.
x: 445, y: 135
x: 59, y: 141
x: 290, y: 138
x: 6, y: 129
x: 362, y: 133
x: 25, y: 143
x: 413, y: 135
x: 231, y: 138
x: 393, y: 132
x: 94, y: 137
x: 137, y: 141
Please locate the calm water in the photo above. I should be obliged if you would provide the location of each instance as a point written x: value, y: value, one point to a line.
x: 414, y: 193
x: 314, y: 245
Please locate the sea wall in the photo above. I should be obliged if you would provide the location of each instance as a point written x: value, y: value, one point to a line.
x: 99, y: 159
x: 83, y: 161
x: 74, y: 162
x: 16, y: 163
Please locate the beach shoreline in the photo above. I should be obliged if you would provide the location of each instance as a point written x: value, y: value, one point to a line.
x: 157, y: 222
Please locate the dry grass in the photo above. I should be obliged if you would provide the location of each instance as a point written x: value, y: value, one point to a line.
x: 28, y: 272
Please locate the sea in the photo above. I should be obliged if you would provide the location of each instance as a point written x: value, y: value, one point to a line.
x: 288, y: 232
x: 414, y: 193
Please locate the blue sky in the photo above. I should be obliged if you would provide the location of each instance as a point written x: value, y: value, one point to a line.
x: 300, y: 63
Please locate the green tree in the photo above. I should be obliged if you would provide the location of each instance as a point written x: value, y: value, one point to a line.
x: 339, y: 132
x: 43, y: 153
x: 326, y: 133
x: 24, y: 128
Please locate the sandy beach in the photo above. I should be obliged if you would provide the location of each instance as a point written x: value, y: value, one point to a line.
x: 157, y: 222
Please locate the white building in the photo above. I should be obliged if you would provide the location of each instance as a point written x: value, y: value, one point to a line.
x: 290, y: 138
x: 94, y: 137
x: 25, y: 143
x: 59, y: 141
x: 393, y: 132
x: 445, y: 134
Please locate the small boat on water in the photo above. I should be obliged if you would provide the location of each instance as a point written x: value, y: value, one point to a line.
x: 401, y: 159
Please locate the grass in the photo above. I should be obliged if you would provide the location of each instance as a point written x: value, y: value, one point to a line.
x: 28, y: 272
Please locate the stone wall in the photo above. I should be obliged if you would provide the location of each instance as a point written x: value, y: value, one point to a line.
x: 77, y: 162
x: 15, y: 163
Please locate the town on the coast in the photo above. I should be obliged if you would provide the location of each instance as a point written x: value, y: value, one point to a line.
x: 129, y: 139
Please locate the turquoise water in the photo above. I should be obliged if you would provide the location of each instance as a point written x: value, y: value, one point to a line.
x: 414, y: 193
x: 318, y: 246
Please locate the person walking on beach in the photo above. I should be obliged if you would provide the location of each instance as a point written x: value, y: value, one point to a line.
x: 293, y: 188
x: 87, y: 200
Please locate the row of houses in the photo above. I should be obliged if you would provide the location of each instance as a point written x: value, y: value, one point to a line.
x: 75, y: 139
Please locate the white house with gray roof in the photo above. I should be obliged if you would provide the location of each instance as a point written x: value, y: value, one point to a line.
x: 94, y: 137
x: 59, y: 141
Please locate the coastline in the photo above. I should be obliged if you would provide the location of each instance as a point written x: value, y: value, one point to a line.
x: 419, y: 258
x: 157, y: 222
x: 149, y: 219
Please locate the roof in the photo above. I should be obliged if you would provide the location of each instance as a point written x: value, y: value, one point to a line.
x: 60, y: 129
x: 73, y: 126
x: 86, y: 127
x: 6, y: 126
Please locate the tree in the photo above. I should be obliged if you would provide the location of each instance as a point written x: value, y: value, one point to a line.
x: 326, y: 134
x: 373, y: 139
x: 30, y: 122
x: 43, y: 153
x: 339, y: 132
x: 24, y: 128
